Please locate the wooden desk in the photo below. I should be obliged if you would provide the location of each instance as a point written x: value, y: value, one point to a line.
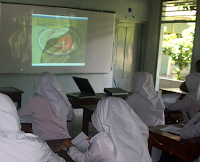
x: 87, y: 113
x: 188, y: 150
x: 88, y: 106
x: 76, y: 103
x: 14, y: 93
x: 170, y: 117
x: 171, y: 90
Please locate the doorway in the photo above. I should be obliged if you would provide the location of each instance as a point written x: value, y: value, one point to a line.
x: 128, y: 52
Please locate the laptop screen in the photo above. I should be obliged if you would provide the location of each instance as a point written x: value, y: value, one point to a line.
x: 84, y: 85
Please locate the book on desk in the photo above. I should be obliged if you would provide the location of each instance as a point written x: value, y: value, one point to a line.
x: 115, y: 91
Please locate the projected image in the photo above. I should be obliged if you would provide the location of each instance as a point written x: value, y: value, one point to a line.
x: 58, y: 40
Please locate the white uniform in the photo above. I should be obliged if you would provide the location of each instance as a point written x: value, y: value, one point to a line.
x: 17, y: 146
x: 190, y: 104
x: 192, y: 128
x: 122, y: 138
x: 147, y: 104
x: 48, y: 110
x: 145, y: 101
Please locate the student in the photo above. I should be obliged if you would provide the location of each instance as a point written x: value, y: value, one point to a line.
x: 147, y: 104
x: 189, y: 104
x: 191, y: 128
x: 122, y: 135
x: 145, y: 101
x: 48, y: 109
x: 19, y: 146
x: 183, y: 87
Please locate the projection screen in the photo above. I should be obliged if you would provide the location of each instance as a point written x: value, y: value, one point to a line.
x: 60, y: 40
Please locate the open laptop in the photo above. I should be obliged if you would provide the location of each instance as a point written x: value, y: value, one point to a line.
x: 85, y: 88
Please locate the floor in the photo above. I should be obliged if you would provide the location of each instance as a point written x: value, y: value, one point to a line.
x: 75, y: 127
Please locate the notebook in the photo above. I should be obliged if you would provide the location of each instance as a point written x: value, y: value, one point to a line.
x: 85, y: 88
x: 115, y: 91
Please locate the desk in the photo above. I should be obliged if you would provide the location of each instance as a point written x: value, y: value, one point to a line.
x: 87, y: 113
x: 170, y: 117
x: 188, y: 150
x: 88, y: 106
x: 14, y: 93
x: 171, y: 90
x: 76, y: 103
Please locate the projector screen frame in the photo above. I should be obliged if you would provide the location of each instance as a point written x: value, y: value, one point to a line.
x: 100, y: 65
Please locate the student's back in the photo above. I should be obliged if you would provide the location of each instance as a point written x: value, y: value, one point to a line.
x: 189, y: 105
x: 145, y: 101
x: 141, y: 107
x: 17, y: 146
x: 122, y: 135
x: 48, y: 109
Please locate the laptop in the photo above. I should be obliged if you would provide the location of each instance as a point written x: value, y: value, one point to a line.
x: 85, y: 88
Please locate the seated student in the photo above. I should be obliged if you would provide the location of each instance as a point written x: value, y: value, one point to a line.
x: 19, y: 146
x: 145, y: 101
x: 48, y: 109
x: 122, y: 135
x: 191, y: 128
x: 147, y: 104
x: 183, y: 87
x: 189, y: 104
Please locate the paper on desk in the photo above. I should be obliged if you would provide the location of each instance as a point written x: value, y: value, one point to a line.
x: 172, y: 129
x: 80, y: 142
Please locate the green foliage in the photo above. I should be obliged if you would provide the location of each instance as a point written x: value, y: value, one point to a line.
x: 179, y: 49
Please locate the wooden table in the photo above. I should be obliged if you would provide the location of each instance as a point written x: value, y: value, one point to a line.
x: 171, y: 90
x: 88, y: 106
x: 14, y: 93
x: 76, y: 103
x: 188, y: 150
x: 170, y: 117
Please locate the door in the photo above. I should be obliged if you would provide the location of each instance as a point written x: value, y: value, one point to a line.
x: 128, y: 53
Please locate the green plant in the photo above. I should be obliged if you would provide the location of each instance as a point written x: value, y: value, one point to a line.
x: 179, y: 49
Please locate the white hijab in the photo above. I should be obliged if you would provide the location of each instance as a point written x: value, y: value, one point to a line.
x: 17, y: 146
x: 125, y: 129
x: 142, y: 84
x: 47, y: 86
x: 192, y: 82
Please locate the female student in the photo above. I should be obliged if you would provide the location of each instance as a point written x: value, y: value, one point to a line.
x: 147, y: 104
x: 145, y: 101
x: 189, y: 104
x: 122, y: 135
x: 19, y: 146
x: 191, y: 128
x: 48, y: 109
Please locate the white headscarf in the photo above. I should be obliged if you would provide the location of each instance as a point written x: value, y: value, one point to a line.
x: 192, y: 82
x: 17, y: 146
x: 142, y: 84
x: 47, y: 85
x: 125, y: 129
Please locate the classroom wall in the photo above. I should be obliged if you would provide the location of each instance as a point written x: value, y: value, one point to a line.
x: 25, y: 82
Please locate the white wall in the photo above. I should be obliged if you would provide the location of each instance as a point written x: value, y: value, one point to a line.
x: 25, y: 82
